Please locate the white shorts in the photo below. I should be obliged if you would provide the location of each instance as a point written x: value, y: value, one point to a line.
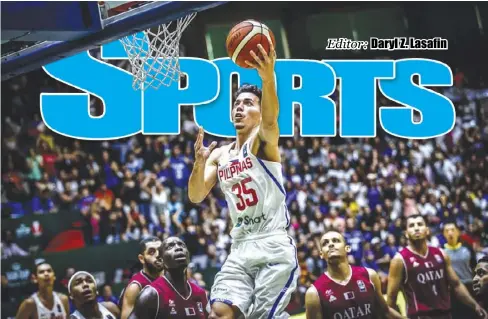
x: 259, y: 276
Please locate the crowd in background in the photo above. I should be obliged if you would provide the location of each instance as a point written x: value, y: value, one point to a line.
x: 134, y: 187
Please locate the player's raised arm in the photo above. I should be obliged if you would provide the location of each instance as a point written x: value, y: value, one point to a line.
x: 395, y: 277
x: 204, y: 174
x: 147, y: 304
x: 269, y: 130
x: 460, y: 290
x: 390, y: 312
x: 313, y: 309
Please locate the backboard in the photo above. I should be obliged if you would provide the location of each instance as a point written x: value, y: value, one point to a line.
x: 40, y: 32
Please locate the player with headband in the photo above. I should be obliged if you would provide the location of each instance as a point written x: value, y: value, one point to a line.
x: 82, y: 290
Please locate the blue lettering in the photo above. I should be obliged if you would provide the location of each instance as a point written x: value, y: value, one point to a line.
x: 69, y: 114
x: 318, y: 115
x: 162, y: 106
x: 358, y: 94
x: 215, y: 117
x: 437, y: 111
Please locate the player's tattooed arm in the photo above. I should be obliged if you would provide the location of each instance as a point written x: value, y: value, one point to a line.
x: 389, y: 312
x: 204, y: 174
x: 395, y: 278
x: 460, y: 290
x: 146, y: 305
x: 313, y: 309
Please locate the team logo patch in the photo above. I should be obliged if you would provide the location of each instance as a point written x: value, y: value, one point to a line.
x: 428, y: 264
x: 200, y: 306
x: 190, y: 311
x: 361, y: 286
x: 173, y: 311
x: 332, y: 298
x: 349, y: 295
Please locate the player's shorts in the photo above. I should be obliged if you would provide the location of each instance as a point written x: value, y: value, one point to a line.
x: 259, y: 276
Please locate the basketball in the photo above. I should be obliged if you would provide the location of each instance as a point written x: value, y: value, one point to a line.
x: 244, y: 37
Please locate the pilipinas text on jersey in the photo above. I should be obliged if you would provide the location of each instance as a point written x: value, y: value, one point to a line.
x: 254, y: 192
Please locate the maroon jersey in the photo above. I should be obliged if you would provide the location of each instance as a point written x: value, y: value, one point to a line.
x: 140, y: 279
x: 354, y: 299
x: 174, y: 305
x: 425, y: 286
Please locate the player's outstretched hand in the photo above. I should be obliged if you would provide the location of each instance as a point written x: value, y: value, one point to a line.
x: 202, y: 152
x: 264, y: 65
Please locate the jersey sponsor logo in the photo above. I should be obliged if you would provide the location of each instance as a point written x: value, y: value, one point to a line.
x: 438, y: 258
x: 235, y: 168
x: 354, y: 312
x: 361, y: 286
x: 200, y: 306
x: 431, y: 275
x: 250, y: 221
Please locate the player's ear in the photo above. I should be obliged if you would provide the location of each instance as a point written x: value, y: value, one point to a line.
x: 348, y: 248
x: 34, y: 279
x: 141, y: 258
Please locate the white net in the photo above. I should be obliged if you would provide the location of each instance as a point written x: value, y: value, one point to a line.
x: 154, y: 54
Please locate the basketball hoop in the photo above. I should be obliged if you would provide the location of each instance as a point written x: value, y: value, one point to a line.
x: 154, y: 54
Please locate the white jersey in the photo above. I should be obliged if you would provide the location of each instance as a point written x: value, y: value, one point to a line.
x: 57, y: 312
x: 254, y: 192
x: 106, y: 314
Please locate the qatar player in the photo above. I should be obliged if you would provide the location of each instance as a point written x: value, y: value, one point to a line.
x: 45, y: 303
x: 262, y: 262
x: 172, y: 295
x: 82, y: 289
x: 152, y: 268
x: 345, y: 291
x: 480, y: 281
x: 425, y: 275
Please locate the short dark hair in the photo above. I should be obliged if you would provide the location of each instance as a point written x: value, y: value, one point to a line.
x: 249, y: 88
x: 142, y: 243
x: 38, y: 262
x: 415, y: 216
x: 449, y: 222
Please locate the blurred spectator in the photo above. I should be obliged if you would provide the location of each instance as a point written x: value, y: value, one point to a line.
x: 9, y: 247
x: 106, y: 295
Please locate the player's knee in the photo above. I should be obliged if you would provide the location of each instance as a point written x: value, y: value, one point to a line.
x: 221, y: 310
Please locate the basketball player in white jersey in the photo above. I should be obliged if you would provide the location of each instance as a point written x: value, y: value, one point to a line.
x: 45, y: 303
x: 261, y: 272
x: 82, y: 289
